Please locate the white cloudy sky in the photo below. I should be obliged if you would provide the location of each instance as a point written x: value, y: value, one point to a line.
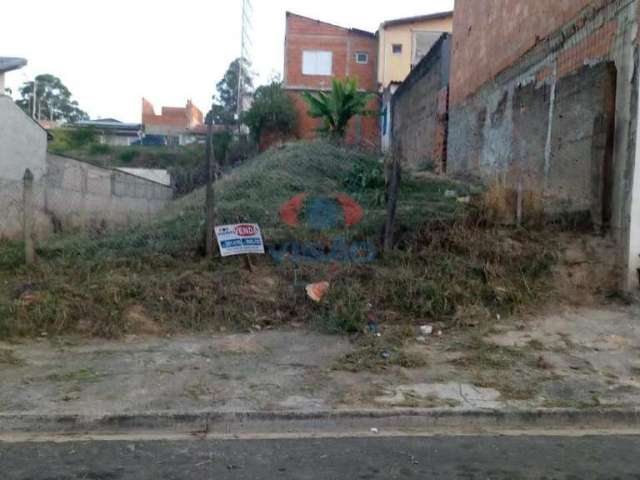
x: 111, y: 53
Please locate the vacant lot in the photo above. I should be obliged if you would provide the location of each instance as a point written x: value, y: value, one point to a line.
x: 452, y: 266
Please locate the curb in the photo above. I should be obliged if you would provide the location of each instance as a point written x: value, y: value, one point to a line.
x: 341, y: 421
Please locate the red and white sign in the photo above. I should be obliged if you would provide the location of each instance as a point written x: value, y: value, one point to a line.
x: 239, y: 239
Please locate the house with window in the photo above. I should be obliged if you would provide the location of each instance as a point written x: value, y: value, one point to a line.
x: 402, y: 44
x: 317, y: 52
x: 113, y: 132
x: 406, y: 41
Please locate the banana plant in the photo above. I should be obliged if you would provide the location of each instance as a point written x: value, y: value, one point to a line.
x: 337, y: 107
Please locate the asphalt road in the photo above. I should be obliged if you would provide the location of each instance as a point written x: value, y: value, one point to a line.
x: 509, y: 458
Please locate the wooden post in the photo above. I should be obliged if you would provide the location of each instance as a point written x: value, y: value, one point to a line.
x: 27, y: 217
x: 392, y: 202
x: 519, y: 201
x: 210, y: 197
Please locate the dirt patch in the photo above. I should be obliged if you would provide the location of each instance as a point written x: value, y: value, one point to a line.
x: 138, y: 322
x: 9, y: 358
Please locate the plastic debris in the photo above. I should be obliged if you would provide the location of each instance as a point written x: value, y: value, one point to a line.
x: 317, y: 291
x: 464, y: 200
x: 372, y: 326
x: 385, y: 355
x: 426, y: 330
x: 374, y: 430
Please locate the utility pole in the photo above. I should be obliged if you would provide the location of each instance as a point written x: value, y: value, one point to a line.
x: 245, y: 44
x: 34, y: 98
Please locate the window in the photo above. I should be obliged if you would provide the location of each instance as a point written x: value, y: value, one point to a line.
x: 362, y: 58
x: 397, y: 48
x: 317, y: 63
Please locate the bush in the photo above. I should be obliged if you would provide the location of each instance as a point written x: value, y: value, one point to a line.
x: 272, y: 112
x: 240, y: 151
x: 99, y: 149
x: 366, y: 174
x: 128, y: 155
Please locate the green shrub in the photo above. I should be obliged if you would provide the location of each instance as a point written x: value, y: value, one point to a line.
x: 272, y: 111
x: 128, y: 155
x: 99, y: 149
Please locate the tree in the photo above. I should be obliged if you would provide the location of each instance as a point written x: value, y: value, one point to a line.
x: 52, y: 100
x: 225, y: 105
x: 339, y: 106
x: 272, y: 111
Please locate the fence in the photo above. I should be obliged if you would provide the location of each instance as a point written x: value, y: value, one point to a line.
x: 75, y: 194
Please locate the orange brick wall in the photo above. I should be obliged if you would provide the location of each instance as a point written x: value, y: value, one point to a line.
x: 491, y: 35
x: 364, y: 131
x: 187, y: 117
x: 307, y: 34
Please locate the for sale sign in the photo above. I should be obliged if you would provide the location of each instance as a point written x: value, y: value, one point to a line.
x: 239, y: 239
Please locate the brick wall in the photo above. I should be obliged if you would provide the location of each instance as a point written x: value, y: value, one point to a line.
x: 490, y: 35
x: 420, y: 109
x: 308, y: 34
x: 543, y: 100
x: 179, y: 117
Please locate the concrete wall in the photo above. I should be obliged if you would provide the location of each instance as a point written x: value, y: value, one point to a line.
x: 419, y: 109
x: 23, y: 144
x: 82, y: 195
x: 395, y: 67
x: 560, y: 119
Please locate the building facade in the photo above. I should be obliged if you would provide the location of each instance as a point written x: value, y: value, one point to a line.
x: 544, y: 100
x: 113, y: 132
x: 316, y: 53
x: 402, y: 43
x: 176, y: 125
x: 420, y: 111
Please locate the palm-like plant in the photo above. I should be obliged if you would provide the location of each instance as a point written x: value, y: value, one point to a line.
x: 338, y: 106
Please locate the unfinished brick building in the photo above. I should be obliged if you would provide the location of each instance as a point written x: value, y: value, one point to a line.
x: 544, y: 100
x: 178, y: 125
x: 317, y: 52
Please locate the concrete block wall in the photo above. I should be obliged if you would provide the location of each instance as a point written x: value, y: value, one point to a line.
x: 23, y: 144
x: 78, y: 194
x: 549, y: 102
x: 419, y: 108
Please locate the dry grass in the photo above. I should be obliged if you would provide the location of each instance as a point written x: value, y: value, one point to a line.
x: 450, y: 261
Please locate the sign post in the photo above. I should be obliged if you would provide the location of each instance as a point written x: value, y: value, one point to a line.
x: 239, y: 239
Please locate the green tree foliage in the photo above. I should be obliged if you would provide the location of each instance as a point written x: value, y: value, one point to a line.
x: 225, y: 105
x: 53, y: 100
x: 339, y: 106
x: 272, y: 111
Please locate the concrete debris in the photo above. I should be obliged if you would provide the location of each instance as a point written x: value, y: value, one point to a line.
x: 426, y: 330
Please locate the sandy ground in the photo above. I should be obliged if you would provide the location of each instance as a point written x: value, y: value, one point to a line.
x: 574, y: 359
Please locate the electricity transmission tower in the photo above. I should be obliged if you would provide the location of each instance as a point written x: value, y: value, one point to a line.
x: 245, y: 46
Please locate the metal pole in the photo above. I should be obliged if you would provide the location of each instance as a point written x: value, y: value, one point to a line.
x: 35, y: 98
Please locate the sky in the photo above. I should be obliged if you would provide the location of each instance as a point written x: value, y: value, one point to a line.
x: 112, y: 53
